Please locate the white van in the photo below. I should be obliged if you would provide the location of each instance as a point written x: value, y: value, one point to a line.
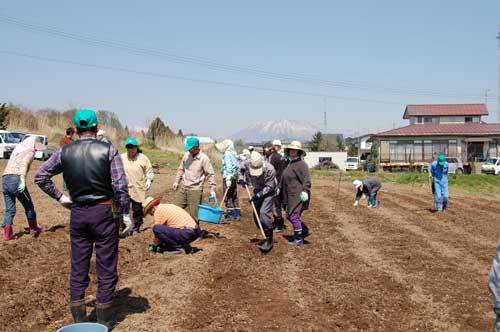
x: 8, y: 141
x: 491, y: 166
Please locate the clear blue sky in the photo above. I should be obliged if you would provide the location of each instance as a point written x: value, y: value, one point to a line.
x: 439, y: 46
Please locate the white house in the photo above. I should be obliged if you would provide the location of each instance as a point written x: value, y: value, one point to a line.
x: 315, y: 158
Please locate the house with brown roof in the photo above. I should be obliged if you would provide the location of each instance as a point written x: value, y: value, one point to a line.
x: 456, y: 130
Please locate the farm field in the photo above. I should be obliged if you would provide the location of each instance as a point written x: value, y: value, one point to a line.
x: 396, y: 268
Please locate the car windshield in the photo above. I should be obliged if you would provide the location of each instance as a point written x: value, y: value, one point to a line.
x: 491, y: 161
x: 13, y: 138
x: 352, y: 160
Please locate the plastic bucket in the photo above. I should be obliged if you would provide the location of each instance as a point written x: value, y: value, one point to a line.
x: 210, y: 213
x: 84, y: 327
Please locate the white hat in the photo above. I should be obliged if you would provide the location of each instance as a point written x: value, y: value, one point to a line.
x: 101, y: 132
x: 357, y: 183
x: 256, y: 164
x: 251, y: 148
x: 277, y: 142
x: 224, y: 145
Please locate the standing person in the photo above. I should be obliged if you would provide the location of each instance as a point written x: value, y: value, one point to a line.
x: 140, y: 176
x: 494, y: 285
x: 94, y: 174
x: 262, y: 176
x: 296, y: 191
x: 174, y: 228
x: 230, y: 169
x: 278, y: 147
x: 14, y: 187
x: 439, y: 173
x: 194, y: 170
x: 68, y: 138
x: 367, y: 188
x: 279, y: 163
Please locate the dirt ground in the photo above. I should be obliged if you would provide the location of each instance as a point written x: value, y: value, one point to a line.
x: 397, y: 268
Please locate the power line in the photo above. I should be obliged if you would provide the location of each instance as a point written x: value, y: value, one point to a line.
x: 183, y: 78
x: 214, y: 65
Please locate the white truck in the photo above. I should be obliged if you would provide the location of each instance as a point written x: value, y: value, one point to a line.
x: 491, y: 166
x: 8, y: 141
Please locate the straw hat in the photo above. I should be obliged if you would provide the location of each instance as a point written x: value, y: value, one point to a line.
x: 295, y: 145
x: 224, y: 145
x: 256, y: 164
x: 149, y: 203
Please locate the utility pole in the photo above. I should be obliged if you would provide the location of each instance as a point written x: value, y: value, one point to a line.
x: 498, y: 75
x: 325, y: 122
x: 486, y: 97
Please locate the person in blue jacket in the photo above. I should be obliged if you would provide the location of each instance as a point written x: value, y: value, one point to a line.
x: 230, y: 171
x: 439, y: 173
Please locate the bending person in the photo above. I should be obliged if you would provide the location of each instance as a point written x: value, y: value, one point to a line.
x: 367, y: 188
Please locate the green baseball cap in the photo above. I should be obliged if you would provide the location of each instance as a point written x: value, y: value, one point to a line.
x: 191, y: 143
x: 441, y: 159
x: 131, y: 141
x: 86, y: 119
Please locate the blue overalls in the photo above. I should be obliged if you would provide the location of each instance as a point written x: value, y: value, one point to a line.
x: 440, y: 176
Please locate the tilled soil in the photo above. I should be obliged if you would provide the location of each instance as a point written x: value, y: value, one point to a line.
x: 400, y: 267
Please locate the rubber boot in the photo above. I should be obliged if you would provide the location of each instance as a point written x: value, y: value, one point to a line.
x: 79, y: 311
x: 8, y: 233
x: 298, y: 240
x: 268, y: 242
x: 236, y: 216
x: 305, y: 230
x: 104, y: 314
x: 34, y: 228
x: 279, y: 225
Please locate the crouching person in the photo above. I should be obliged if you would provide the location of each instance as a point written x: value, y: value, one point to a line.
x: 369, y: 188
x: 174, y: 228
x: 262, y: 176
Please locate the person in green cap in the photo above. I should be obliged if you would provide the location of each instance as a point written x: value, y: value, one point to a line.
x: 95, y: 178
x: 195, y: 168
x: 140, y: 176
x: 439, y: 173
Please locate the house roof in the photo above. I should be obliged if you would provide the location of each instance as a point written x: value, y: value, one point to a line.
x: 445, y: 110
x: 455, y: 129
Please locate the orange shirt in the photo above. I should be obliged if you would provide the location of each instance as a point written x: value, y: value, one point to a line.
x: 173, y: 216
x: 65, y: 140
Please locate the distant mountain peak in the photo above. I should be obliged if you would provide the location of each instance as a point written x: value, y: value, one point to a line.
x: 285, y: 130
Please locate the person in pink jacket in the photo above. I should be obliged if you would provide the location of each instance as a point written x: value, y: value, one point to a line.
x: 14, y: 187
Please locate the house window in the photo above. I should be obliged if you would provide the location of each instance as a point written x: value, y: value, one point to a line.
x: 427, y: 150
x: 418, y: 150
x: 419, y: 119
x: 468, y: 119
x: 427, y: 120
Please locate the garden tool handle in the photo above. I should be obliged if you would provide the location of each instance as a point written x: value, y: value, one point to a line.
x: 224, y: 198
x: 255, y: 211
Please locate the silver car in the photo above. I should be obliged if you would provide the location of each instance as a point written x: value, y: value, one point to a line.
x: 455, y: 166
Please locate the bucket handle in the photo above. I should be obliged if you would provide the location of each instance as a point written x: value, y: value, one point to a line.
x: 213, y: 202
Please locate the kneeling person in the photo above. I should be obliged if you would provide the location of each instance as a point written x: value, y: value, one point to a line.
x: 174, y: 228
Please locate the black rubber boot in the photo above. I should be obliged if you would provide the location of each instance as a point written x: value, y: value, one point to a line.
x: 268, y: 242
x: 79, y: 311
x: 104, y: 314
x: 298, y: 239
x: 305, y: 231
x: 279, y: 225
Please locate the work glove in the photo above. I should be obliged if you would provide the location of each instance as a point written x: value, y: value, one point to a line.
x: 363, y: 196
x: 228, y: 182
x: 257, y: 197
x: 213, y: 195
x: 22, y: 184
x: 242, y: 183
x: 175, y: 186
x: 128, y: 224
x: 356, y: 203
x: 304, y: 197
x: 148, y: 184
x: 65, y: 201
x: 152, y: 247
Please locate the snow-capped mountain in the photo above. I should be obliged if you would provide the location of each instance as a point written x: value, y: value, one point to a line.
x: 285, y: 130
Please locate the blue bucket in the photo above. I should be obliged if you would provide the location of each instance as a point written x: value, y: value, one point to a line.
x: 84, y: 327
x: 210, y: 213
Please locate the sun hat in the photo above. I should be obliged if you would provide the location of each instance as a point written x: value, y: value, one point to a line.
x: 149, y: 203
x: 441, y: 159
x: 277, y: 142
x: 191, y: 143
x: 295, y: 145
x: 131, y: 141
x: 256, y: 164
x: 224, y: 145
x: 85, y: 119
x: 357, y: 183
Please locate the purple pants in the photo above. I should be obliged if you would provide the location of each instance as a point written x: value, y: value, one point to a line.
x: 175, y: 237
x: 93, y: 226
x: 296, y: 220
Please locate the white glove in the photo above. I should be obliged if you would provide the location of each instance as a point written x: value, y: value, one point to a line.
x: 128, y: 223
x: 65, y: 201
x: 363, y: 196
x: 148, y: 184
x: 304, y: 197
x: 356, y: 203
x: 213, y: 195
x: 228, y: 182
x: 175, y: 186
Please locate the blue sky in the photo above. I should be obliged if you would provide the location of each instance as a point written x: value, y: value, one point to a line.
x: 429, y: 51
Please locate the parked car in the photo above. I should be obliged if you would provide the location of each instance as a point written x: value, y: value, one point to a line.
x: 45, y: 152
x: 8, y: 141
x: 491, y: 166
x: 455, y: 166
x: 352, y: 164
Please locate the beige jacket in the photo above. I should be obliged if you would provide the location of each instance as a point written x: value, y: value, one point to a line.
x: 138, y: 170
x: 20, y: 164
x: 193, y: 171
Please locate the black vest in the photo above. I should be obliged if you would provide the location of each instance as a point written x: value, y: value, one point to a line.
x: 87, y: 171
